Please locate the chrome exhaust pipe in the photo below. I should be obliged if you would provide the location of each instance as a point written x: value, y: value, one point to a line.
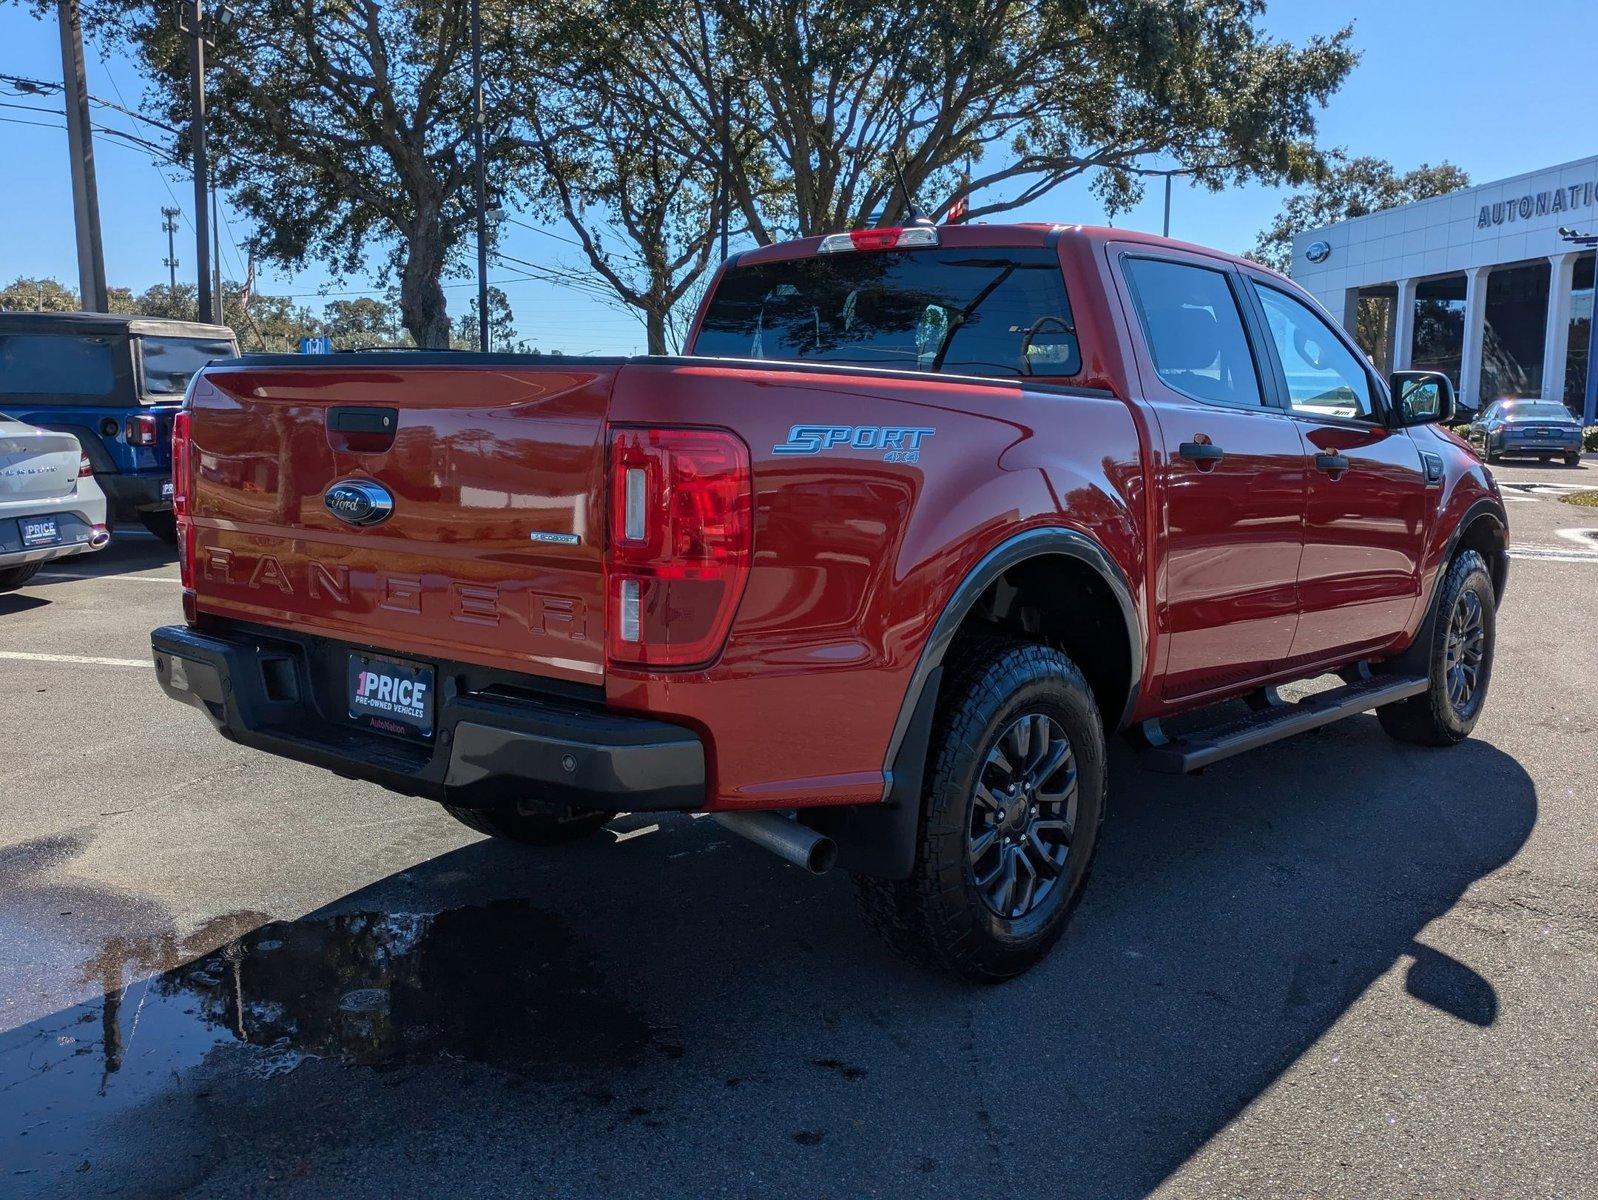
x: 99, y: 539
x: 784, y: 837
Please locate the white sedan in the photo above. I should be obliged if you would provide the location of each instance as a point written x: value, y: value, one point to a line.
x: 50, y: 506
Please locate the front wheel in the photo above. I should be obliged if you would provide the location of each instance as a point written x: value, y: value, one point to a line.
x: 1459, y: 661
x: 1573, y: 460
x: 1010, y: 818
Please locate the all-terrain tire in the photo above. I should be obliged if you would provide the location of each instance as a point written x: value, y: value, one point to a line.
x: 12, y: 578
x: 1436, y: 717
x: 530, y: 828
x: 938, y: 918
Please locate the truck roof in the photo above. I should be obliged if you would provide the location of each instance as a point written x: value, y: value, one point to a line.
x: 979, y: 235
x: 87, y: 322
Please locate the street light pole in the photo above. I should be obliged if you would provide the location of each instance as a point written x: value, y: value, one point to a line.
x: 726, y: 161
x: 482, y: 176
x: 1167, y: 232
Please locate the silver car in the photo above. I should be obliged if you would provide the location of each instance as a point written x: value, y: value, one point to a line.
x: 50, y: 506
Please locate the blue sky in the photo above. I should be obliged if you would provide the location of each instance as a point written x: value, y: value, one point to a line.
x: 1498, y: 90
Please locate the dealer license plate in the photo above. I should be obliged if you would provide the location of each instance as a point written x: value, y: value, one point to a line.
x: 391, y: 695
x: 40, y: 531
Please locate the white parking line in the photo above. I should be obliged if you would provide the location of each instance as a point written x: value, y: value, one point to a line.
x: 81, y: 659
x: 1553, y: 554
x: 1582, y: 537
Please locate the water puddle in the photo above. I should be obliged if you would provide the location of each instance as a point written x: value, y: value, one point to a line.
x: 501, y: 984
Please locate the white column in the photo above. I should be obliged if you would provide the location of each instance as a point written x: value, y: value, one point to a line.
x: 1349, y: 311
x: 1556, y: 340
x: 1475, y: 328
x: 1404, y: 325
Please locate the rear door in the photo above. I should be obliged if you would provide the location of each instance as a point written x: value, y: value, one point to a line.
x: 491, y: 549
x: 1229, y: 474
x: 1369, y: 502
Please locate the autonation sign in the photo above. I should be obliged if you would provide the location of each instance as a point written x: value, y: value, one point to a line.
x: 1538, y: 204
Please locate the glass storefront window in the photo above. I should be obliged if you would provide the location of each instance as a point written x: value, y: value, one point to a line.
x: 1576, y: 364
x: 1517, y: 324
x: 1439, y: 326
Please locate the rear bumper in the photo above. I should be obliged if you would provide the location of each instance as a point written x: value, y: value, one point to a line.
x: 487, y: 749
x: 137, y: 493
x: 1520, y: 444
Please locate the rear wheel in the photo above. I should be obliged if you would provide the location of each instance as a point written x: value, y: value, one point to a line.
x: 530, y: 828
x: 1573, y: 460
x: 1459, y: 662
x: 14, y: 577
x: 1010, y: 819
x: 163, y: 524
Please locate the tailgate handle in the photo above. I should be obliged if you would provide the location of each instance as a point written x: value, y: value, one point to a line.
x: 363, y: 420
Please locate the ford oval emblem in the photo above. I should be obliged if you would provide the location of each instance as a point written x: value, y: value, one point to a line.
x: 359, y: 501
x: 1318, y: 252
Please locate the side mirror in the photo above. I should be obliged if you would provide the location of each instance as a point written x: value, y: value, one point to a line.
x: 1422, y: 397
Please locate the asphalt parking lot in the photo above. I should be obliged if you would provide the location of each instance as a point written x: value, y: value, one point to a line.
x: 1338, y: 967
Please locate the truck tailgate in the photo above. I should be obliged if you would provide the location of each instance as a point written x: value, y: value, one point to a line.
x: 492, y: 552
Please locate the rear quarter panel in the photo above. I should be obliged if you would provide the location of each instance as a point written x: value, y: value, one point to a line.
x: 856, y: 555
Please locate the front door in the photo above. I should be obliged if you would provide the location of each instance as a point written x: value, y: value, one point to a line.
x: 1365, y: 525
x: 1230, y: 477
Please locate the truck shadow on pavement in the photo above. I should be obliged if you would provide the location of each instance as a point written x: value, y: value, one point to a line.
x: 667, y: 1012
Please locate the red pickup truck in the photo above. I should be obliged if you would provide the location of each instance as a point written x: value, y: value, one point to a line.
x: 870, y: 573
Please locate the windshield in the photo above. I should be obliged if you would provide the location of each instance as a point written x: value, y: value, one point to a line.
x: 170, y: 362
x: 1536, y: 410
x: 53, y: 364
x: 996, y: 312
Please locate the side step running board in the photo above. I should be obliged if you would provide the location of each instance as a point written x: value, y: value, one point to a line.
x: 1196, y: 750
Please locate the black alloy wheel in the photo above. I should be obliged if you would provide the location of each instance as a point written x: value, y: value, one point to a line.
x: 1020, y: 829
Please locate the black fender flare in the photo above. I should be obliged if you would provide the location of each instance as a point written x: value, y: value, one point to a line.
x: 880, y: 839
x: 1413, y: 656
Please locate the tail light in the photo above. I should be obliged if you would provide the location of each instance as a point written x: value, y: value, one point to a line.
x: 681, y: 539
x: 141, y: 429
x: 85, y: 467
x: 180, y: 503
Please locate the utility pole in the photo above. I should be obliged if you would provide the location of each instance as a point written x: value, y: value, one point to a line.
x: 1167, y: 232
x: 192, y: 22
x: 482, y: 177
x: 80, y: 148
x: 170, y: 262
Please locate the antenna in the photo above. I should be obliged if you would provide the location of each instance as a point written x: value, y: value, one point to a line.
x: 916, y: 214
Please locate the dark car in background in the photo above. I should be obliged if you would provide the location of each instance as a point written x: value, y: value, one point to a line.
x: 1543, y: 428
x: 113, y: 382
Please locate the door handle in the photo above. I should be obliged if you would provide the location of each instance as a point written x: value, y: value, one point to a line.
x: 1203, y: 454
x: 1332, y: 464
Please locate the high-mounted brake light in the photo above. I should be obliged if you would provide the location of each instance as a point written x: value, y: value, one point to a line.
x: 681, y: 539
x: 181, y: 455
x: 879, y: 239
x: 141, y: 429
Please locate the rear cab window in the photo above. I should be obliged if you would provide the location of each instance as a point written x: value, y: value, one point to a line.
x: 69, y: 368
x: 999, y: 312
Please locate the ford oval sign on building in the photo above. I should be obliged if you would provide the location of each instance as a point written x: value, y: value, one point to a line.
x: 359, y: 501
x: 1318, y: 252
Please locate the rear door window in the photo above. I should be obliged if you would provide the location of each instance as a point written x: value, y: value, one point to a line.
x: 996, y: 312
x: 62, y: 365
x: 1194, y: 331
x: 170, y: 362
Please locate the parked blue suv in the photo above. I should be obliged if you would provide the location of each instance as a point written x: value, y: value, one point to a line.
x: 114, y: 383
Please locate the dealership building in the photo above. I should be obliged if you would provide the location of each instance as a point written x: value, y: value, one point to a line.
x: 1480, y: 284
